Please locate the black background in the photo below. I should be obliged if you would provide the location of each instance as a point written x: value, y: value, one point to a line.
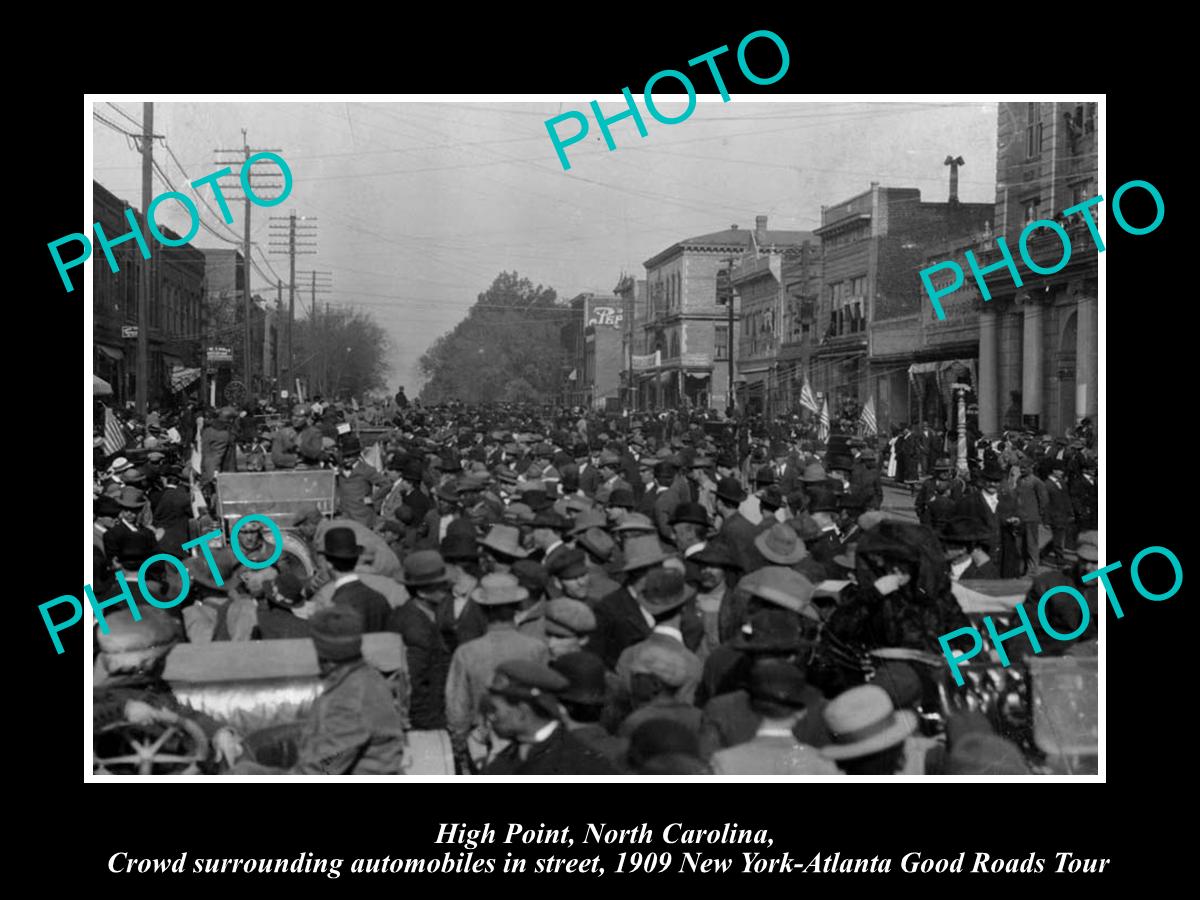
x: 1145, y: 463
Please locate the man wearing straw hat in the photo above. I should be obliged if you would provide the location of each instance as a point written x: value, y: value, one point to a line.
x: 499, y: 595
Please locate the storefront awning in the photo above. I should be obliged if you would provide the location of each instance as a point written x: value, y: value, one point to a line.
x: 110, y: 352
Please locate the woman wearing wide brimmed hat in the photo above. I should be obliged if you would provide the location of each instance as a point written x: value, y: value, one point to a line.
x: 902, y: 597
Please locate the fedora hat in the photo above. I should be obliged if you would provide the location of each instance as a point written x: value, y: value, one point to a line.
x: 341, y: 543
x: 862, y: 721
x: 782, y: 586
x: 814, y: 472
x: 425, y: 567
x: 506, y: 540
x: 717, y: 554
x: 778, y: 682
x: 665, y: 590
x: 730, y: 490
x: 499, y: 589
x: 636, y: 522
x: 131, y: 498
x: 780, y: 545
x: 448, y: 491
x: 590, y: 518
x: 643, y: 551
x: 690, y: 512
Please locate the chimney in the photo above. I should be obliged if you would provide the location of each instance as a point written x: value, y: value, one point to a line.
x: 954, y: 162
x: 733, y: 227
x: 760, y: 229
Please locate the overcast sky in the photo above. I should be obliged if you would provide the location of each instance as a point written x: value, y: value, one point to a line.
x: 420, y: 205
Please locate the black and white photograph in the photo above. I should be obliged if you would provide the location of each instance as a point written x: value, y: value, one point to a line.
x: 541, y: 438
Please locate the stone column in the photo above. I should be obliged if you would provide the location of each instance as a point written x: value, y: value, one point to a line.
x: 1087, y: 369
x: 987, y: 392
x: 1008, y: 358
x: 1032, y: 358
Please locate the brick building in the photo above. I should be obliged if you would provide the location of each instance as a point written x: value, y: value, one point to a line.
x: 769, y: 317
x: 631, y: 295
x: 868, y: 316
x: 225, y: 330
x: 686, y: 331
x: 175, y: 311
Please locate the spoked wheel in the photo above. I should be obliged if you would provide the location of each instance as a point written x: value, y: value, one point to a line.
x: 175, y: 748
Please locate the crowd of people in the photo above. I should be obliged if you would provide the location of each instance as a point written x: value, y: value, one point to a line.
x: 581, y: 594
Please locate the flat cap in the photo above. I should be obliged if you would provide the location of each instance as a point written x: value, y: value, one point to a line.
x: 567, y: 618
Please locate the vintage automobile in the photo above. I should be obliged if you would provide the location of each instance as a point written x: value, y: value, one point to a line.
x: 261, y: 689
x: 1047, y: 705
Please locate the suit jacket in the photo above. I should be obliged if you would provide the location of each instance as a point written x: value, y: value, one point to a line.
x: 1061, y: 512
x: 560, y: 754
x: 772, y: 755
x: 590, y: 480
x: 729, y: 720
x: 739, y: 533
x: 119, y: 535
x: 1085, y: 502
x: 357, y: 492
x: 370, y: 604
x: 354, y: 727
x: 619, y: 624
x: 1033, y: 501
x: 973, y: 505
x: 428, y: 664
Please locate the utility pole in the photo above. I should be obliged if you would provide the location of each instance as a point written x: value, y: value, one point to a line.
x: 147, y: 279
x: 251, y: 186
x: 295, y: 226
x: 321, y: 283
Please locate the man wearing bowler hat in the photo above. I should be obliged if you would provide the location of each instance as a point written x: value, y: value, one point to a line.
x: 737, y: 532
x: 359, y: 486
x: 994, y: 508
x: 341, y: 552
x: 427, y: 581
x: 473, y: 664
x: 966, y: 543
x: 524, y: 709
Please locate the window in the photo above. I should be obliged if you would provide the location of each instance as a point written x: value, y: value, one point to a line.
x: 858, y: 286
x: 721, y: 342
x: 1030, y: 210
x: 1033, y: 130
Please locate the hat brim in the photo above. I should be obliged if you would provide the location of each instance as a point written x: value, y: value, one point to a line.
x: 780, y: 559
x: 905, y: 724
x: 339, y: 554
x: 514, y: 552
x: 480, y: 597
x: 656, y: 608
x: 644, y: 563
x: 444, y: 578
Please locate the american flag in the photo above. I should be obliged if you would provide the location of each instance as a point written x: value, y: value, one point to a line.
x: 114, y: 436
x: 867, y: 419
x: 823, y: 425
x: 807, y: 400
